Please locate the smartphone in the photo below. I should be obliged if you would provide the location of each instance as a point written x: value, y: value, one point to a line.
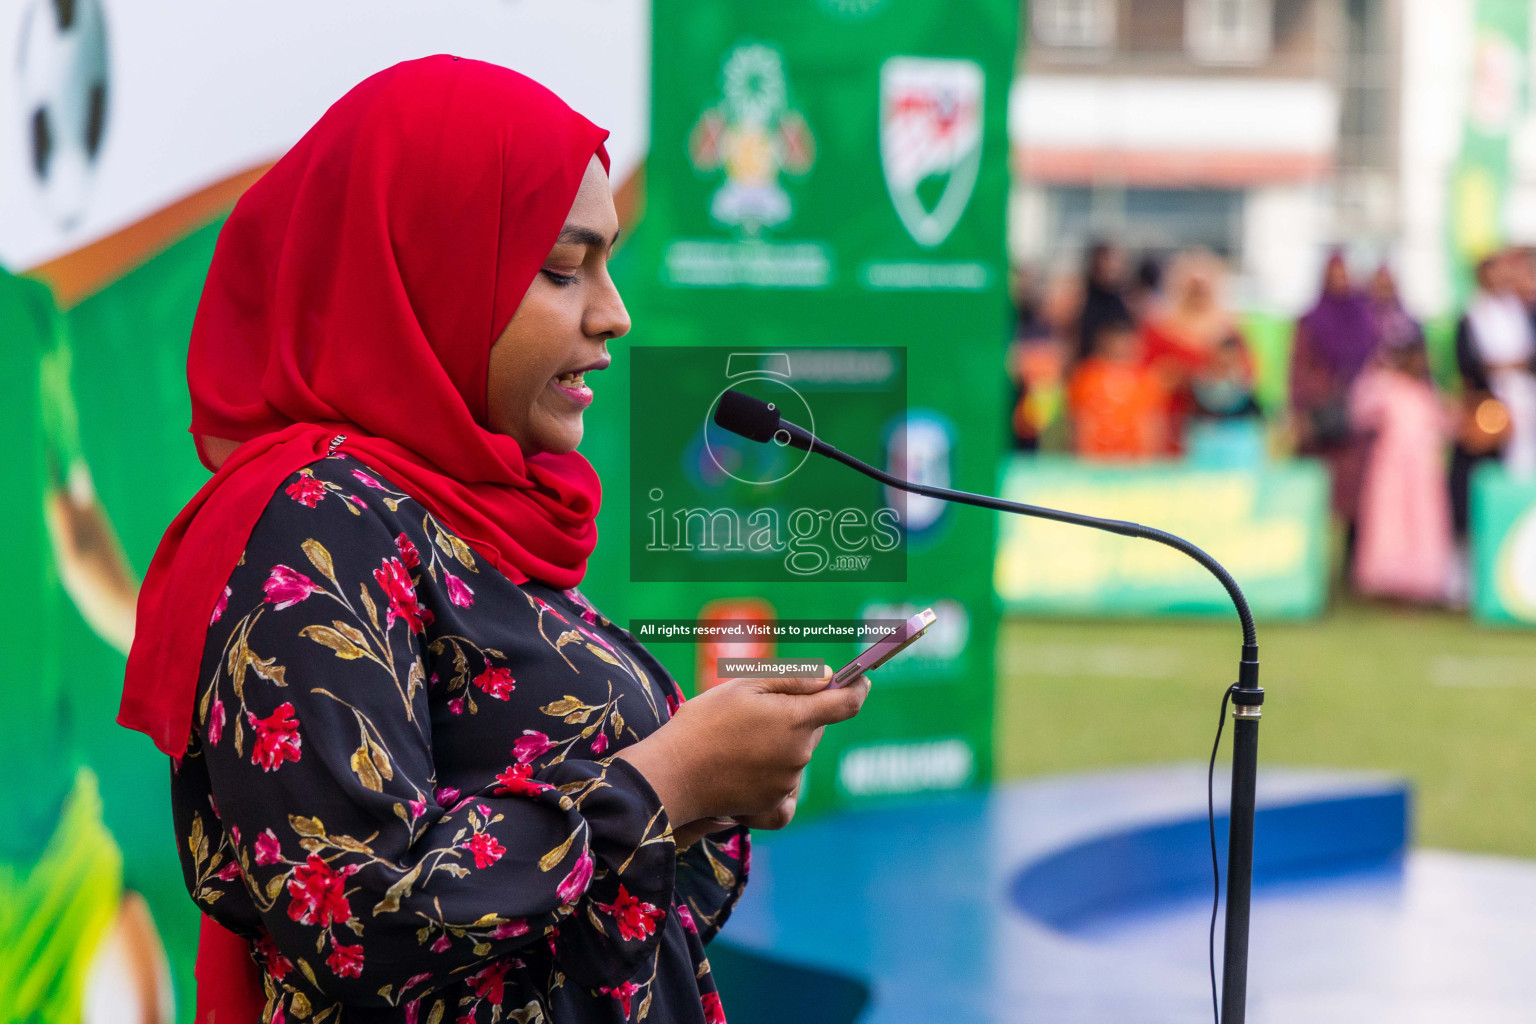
x: 884, y: 649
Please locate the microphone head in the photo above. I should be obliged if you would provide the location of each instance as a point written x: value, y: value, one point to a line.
x: 750, y: 417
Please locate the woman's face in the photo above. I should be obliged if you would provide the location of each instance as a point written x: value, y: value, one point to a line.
x: 1336, y: 277
x: 535, y: 387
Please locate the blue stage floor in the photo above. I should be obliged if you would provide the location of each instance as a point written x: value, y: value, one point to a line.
x: 1085, y: 899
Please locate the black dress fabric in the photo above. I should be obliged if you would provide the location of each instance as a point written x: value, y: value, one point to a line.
x: 401, y: 784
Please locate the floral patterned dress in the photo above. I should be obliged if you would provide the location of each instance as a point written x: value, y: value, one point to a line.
x: 401, y: 784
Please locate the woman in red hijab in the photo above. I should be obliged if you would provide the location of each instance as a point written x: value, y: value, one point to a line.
x: 416, y: 773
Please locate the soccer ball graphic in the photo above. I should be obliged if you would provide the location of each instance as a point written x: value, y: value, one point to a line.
x: 63, y: 85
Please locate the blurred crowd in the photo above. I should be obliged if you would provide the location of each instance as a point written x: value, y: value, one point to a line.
x: 1130, y: 363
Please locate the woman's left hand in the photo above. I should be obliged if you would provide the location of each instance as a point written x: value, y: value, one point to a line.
x: 688, y: 834
x: 770, y: 820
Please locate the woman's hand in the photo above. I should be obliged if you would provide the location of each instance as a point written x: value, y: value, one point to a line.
x: 772, y: 820
x: 737, y: 750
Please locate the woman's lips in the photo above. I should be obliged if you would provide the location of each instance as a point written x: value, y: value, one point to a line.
x: 575, y: 390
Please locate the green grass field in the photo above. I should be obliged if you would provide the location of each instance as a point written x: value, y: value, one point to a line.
x: 1428, y: 695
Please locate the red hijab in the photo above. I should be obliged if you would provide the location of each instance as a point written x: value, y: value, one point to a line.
x: 356, y: 290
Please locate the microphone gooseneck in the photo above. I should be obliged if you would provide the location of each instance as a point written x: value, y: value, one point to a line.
x: 757, y: 420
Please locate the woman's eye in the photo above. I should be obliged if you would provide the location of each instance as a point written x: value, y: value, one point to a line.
x: 558, y: 278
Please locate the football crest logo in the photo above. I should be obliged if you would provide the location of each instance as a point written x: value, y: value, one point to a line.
x: 754, y: 135
x: 930, y: 141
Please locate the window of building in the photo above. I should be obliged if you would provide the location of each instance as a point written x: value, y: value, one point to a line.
x: 1228, y: 31
x: 1074, y: 23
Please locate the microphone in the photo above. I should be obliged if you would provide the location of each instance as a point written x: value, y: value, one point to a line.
x: 757, y: 420
x: 761, y: 421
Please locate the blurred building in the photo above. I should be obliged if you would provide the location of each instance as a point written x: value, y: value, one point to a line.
x: 1267, y: 130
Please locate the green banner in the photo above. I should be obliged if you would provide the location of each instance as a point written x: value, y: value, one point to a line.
x: 1503, y: 547
x: 99, y: 463
x: 1267, y: 525
x: 833, y: 174
x: 1496, y: 105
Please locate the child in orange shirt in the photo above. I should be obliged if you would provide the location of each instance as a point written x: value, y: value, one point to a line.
x: 1119, y: 407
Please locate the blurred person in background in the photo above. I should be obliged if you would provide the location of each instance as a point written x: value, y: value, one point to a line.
x: 1333, y: 343
x: 1118, y: 404
x: 1222, y: 389
x: 1195, y: 346
x: 1404, y: 547
x: 1036, y: 361
x: 1395, y: 326
x: 1146, y: 287
x: 1029, y: 330
x: 1495, y: 349
x: 1103, y: 295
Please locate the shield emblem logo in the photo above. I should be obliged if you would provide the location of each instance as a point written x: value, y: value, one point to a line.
x: 930, y: 141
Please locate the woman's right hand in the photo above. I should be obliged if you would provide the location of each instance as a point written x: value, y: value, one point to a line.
x: 737, y: 750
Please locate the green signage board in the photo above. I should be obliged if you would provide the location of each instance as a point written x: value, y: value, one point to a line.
x: 97, y: 407
x: 1503, y: 547
x: 831, y: 174
x: 1496, y: 103
x: 1267, y: 525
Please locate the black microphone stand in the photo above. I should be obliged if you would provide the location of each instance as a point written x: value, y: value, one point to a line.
x: 1246, y: 695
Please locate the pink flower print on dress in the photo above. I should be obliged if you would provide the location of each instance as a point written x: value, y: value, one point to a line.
x: 497, y: 682
x: 215, y: 722
x: 623, y: 993
x: 456, y: 706
x: 575, y: 883
x: 408, y: 552
x: 636, y: 919
x: 486, y: 849
x: 530, y: 746
x: 318, y: 893
x: 685, y: 918
x: 714, y: 1013
x: 446, y: 796
x: 368, y: 481
x: 459, y: 592
x: 599, y: 743
x: 488, y: 982
x: 218, y: 609
x: 442, y: 944
x: 396, y: 584
x: 306, y: 490
x: 286, y: 588
x: 346, y: 961
x: 517, y: 779
x: 511, y: 929
x: 268, y: 849
x: 546, y: 606
x: 229, y: 872
x: 277, y: 738
x: 276, y: 964
x: 588, y: 612
x: 740, y: 848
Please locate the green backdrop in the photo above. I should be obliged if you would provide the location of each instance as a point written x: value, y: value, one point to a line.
x: 834, y: 173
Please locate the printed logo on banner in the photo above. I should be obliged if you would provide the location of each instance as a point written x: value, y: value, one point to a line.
x: 930, y: 141
x: 754, y: 135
